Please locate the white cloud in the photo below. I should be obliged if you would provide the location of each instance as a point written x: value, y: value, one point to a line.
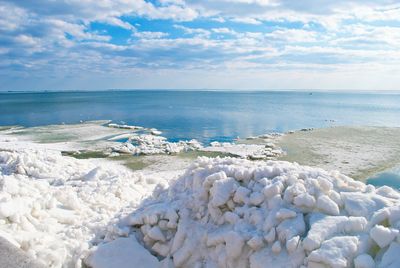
x: 196, y: 31
x: 150, y: 35
x: 223, y: 30
x: 307, y: 37
x: 247, y: 20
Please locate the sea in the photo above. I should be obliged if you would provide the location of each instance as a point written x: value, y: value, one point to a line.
x: 204, y: 115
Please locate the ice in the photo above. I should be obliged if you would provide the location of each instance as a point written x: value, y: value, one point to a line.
x: 222, y: 190
x: 391, y: 257
x: 149, y: 144
x: 248, y: 214
x: 364, y: 261
x: 222, y: 212
x: 122, y: 253
x: 56, y: 207
x: 383, y: 236
x: 335, y: 252
x: 250, y: 151
x: 327, y: 205
x: 124, y: 126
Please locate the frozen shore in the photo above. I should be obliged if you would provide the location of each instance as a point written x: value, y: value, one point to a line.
x: 241, y: 211
x: 358, y: 152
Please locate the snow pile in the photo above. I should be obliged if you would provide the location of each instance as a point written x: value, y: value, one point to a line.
x: 237, y: 213
x: 151, y: 144
x: 56, y: 207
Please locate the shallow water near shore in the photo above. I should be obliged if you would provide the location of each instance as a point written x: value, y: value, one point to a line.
x: 390, y: 177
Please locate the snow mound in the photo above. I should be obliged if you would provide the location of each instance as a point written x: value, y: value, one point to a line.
x: 237, y: 213
x: 56, y: 207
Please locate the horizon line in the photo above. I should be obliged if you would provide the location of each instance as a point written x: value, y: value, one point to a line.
x: 203, y: 90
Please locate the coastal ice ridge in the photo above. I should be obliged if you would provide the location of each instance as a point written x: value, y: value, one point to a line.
x: 227, y: 212
x: 149, y: 144
x: 56, y: 207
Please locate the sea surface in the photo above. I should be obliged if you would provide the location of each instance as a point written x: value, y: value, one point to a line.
x: 204, y: 115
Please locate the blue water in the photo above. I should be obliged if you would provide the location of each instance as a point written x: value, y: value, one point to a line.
x: 203, y: 115
x: 390, y: 177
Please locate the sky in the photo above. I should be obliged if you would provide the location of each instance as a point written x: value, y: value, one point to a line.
x: 190, y: 44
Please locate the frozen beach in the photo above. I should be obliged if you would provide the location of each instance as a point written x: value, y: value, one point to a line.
x: 199, y: 134
x: 101, y: 194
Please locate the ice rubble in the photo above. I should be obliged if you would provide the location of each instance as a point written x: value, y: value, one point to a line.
x: 56, y: 207
x: 251, y: 151
x: 236, y: 213
x: 148, y: 144
x: 151, y: 144
x: 221, y: 213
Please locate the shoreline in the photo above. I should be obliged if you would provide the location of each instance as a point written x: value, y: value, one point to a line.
x: 359, y: 152
x: 83, y: 167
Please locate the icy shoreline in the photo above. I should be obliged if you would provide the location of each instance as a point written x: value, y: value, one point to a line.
x: 244, y: 213
x: 64, y: 211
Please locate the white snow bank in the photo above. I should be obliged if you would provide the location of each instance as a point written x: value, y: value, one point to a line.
x: 237, y: 213
x: 56, y: 207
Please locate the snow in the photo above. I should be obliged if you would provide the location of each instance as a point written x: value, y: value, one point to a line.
x: 364, y: 261
x: 390, y: 258
x: 383, y: 236
x: 122, y: 253
x: 149, y: 144
x: 235, y: 212
x: 222, y: 212
x: 55, y: 207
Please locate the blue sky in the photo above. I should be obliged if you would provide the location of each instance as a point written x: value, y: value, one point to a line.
x: 189, y: 44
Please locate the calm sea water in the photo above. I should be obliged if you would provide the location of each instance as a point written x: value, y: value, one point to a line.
x: 389, y: 177
x: 203, y: 115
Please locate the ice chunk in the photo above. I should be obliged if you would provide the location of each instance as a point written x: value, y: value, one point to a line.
x: 391, y: 257
x: 304, y: 200
x: 122, y: 253
x: 364, y: 261
x: 241, y: 195
x: 292, y: 244
x: 335, y: 252
x: 272, y: 189
x: 291, y: 227
x: 326, y: 205
x: 256, y: 198
x: 222, y: 190
x: 156, y: 234
x: 234, y: 244
x: 276, y: 247
x: 382, y: 235
x: 324, y: 227
x: 363, y: 204
x: 256, y: 242
x: 285, y: 213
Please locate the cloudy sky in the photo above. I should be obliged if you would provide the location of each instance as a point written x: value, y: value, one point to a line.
x: 190, y: 44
